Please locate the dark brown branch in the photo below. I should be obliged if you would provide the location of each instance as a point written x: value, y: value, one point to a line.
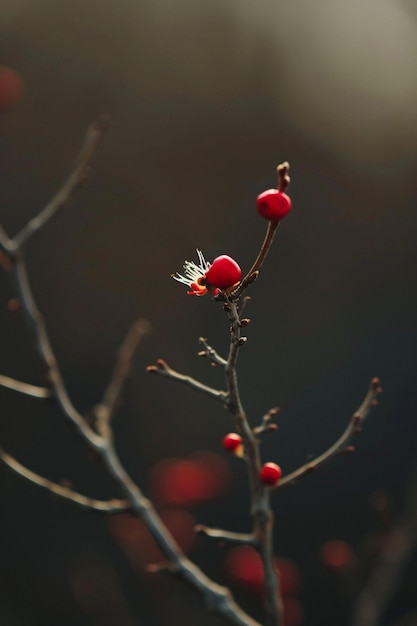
x: 260, y: 495
x: 341, y: 445
x: 163, y: 368
x: 106, y: 409
x: 283, y: 182
x: 91, y: 504
x: 25, y: 388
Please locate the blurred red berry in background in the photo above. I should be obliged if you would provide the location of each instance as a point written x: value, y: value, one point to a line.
x: 244, y: 566
x: 289, y: 579
x: 184, y: 482
x: 293, y: 612
x: 11, y: 87
x: 337, y: 555
x: 136, y: 541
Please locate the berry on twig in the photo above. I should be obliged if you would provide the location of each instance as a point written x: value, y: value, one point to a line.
x: 232, y: 443
x: 270, y: 474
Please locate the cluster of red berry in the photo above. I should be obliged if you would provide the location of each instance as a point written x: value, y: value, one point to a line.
x: 269, y: 474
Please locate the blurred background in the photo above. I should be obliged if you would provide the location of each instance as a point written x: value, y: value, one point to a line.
x: 206, y: 98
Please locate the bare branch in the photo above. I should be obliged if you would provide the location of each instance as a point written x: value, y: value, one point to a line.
x: 341, y: 445
x: 218, y: 598
x: 103, y: 506
x: 260, y: 495
x: 266, y: 425
x: 93, y: 139
x: 225, y: 536
x: 105, y: 410
x: 25, y: 388
x: 163, y: 368
x: 211, y: 354
x: 37, y: 324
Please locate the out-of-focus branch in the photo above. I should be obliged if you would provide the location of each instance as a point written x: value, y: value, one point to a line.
x: 25, y: 388
x: 218, y: 599
x: 163, y: 368
x: 388, y: 570
x: 341, y: 445
x: 91, y: 504
x: 225, y: 536
x: 106, y: 409
x: 80, y: 172
x: 37, y: 324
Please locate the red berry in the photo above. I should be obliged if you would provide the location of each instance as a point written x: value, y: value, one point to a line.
x: 270, y: 474
x: 232, y: 442
x: 273, y: 204
x: 224, y: 272
x: 337, y: 555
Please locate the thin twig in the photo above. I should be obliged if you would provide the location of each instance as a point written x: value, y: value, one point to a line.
x: 266, y: 425
x: 37, y: 324
x: 352, y: 429
x: 211, y: 354
x: 283, y: 182
x: 91, y: 504
x: 25, y: 388
x: 163, y: 368
x: 388, y: 571
x: 106, y: 409
x: 93, y: 139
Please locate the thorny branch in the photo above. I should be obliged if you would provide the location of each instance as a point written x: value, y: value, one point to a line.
x: 217, y: 598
